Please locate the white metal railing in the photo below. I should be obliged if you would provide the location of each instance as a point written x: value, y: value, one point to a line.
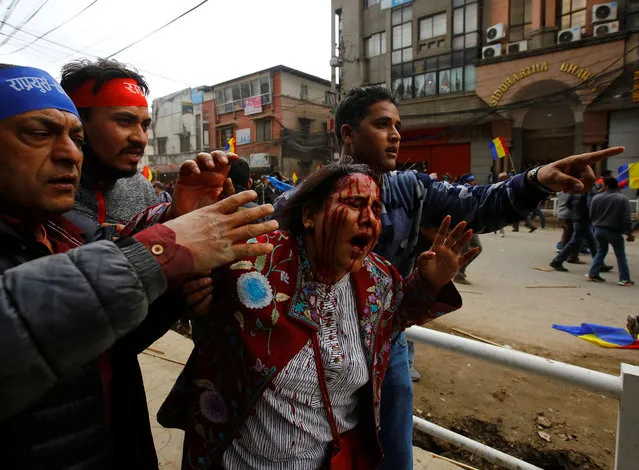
x: 624, y: 388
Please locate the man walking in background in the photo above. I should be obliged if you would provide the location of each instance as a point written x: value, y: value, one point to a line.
x: 610, y: 214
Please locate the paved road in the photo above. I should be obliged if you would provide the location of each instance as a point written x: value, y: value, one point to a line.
x: 500, y: 303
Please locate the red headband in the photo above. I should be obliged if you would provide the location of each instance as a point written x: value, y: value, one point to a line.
x: 115, y: 92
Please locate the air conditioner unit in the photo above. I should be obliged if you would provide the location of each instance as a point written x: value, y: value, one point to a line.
x: 515, y: 47
x: 604, y: 12
x: 496, y: 32
x: 569, y: 35
x: 489, y: 52
x: 606, y: 28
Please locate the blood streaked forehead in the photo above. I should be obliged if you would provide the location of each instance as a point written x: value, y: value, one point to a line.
x: 357, y: 185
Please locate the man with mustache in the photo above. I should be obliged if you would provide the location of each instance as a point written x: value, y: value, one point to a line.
x: 111, y: 100
x: 74, y: 315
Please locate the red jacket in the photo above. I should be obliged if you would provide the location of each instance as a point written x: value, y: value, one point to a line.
x: 265, y: 314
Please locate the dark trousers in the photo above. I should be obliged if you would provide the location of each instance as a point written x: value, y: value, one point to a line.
x: 581, y: 232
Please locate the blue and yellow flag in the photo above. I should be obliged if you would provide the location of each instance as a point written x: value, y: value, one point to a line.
x: 230, y: 145
x: 498, y: 148
x: 605, y: 336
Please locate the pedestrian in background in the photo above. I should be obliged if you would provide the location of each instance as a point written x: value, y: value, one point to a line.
x: 610, y: 214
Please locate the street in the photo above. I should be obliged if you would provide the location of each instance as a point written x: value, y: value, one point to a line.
x: 501, y: 407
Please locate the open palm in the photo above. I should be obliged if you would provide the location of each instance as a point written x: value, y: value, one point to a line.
x: 439, y: 265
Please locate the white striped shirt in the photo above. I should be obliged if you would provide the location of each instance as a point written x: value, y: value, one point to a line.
x: 289, y: 427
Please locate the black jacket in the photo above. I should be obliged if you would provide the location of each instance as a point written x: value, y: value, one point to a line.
x: 68, y: 322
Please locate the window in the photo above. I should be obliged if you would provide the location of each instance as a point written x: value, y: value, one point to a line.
x: 375, y: 45
x: 198, y: 132
x: 402, y: 35
x: 520, y: 19
x: 185, y: 142
x: 305, y: 126
x: 432, y: 26
x: 370, y: 3
x: 161, y: 145
x: 262, y: 130
x: 632, y: 17
x: 465, y: 24
x: 206, y: 141
x: 234, y: 97
x: 304, y: 92
x: 226, y: 133
x: 446, y: 73
x: 573, y: 13
x: 441, y: 75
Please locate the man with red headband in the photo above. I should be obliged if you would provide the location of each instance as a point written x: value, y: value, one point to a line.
x: 111, y: 100
x: 74, y: 315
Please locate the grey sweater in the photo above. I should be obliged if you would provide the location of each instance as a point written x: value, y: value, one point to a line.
x: 124, y: 199
x: 611, y: 209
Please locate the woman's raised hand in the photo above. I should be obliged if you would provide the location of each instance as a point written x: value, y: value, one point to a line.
x: 439, y: 265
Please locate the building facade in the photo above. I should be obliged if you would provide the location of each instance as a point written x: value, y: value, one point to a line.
x: 180, y: 129
x: 552, y: 77
x: 279, y: 119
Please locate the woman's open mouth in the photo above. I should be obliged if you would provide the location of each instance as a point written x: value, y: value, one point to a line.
x: 359, y: 243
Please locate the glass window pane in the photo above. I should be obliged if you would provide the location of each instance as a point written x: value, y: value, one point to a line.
x: 396, y: 57
x: 419, y: 66
x: 407, y: 34
x: 420, y: 81
x: 516, y: 33
x: 439, y: 24
x: 367, y: 47
x: 255, y: 87
x: 579, y: 18
x: 471, y: 18
x: 458, y: 42
x: 458, y: 21
x: 408, y: 88
x: 527, y: 11
x: 444, y: 82
x: 376, y: 45
x: 237, y: 95
x: 407, y: 69
x: 246, y: 90
x: 565, y: 7
x: 398, y: 87
x: 407, y: 54
x: 470, y: 40
x: 430, y: 88
x: 396, y: 16
x: 264, y: 85
x: 458, y: 3
x: 458, y: 58
x: 471, y: 55
x: 407, y: 13
x: 431, y: 64
x: 578, y: 4
x: 397, y: 37
x: 469, y: 78
x: 426, y: 28
x: 383, y: 40
x: 228, y: 94
x: 444, y: 61
x: 396, y: 71
x: 456, y: 80
x: 516, y: 11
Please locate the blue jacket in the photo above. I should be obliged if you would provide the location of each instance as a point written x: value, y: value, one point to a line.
x: 413, y: 200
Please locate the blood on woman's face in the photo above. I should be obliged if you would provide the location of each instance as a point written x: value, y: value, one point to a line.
x: 346, y: 228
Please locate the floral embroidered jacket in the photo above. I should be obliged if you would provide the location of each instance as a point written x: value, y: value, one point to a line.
x: 265, y: 313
